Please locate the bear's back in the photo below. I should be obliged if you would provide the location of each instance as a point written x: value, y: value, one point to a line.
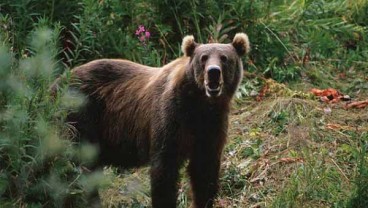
x: 108, y: 72
x: 121, y: 100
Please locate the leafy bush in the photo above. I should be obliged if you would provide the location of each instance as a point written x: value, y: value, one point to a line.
x: 39, y: 165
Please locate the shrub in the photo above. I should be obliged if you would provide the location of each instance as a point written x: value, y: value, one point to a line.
x: 39, y: 165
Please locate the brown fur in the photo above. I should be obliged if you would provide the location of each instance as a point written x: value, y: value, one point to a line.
x: 163, y: 116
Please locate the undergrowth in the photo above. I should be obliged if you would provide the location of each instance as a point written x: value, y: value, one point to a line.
x: 40, y: 166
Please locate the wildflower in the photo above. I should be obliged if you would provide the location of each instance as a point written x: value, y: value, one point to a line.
x: 142, y: 34
x: 142, y: 38
x: 148, y: 34
x: 140, y: 30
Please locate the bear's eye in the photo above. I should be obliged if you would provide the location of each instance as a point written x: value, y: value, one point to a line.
x: 204, y: 58
x: 223, y: 58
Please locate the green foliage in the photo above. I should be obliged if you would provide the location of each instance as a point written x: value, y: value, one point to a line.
x: 360, y: 195
x: 22, y: 17
x: 39, y: 165
x: 315, y: 179
x: 286, y: 35
x: 234, y: 181
x: 305, y: 32
x: 281, y: 119
x: 318, y: 179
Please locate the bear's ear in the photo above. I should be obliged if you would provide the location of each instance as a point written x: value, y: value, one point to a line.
x: 241, y: 43
x: 188, y: 45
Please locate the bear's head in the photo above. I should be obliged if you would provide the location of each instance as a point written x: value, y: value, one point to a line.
x: 217, y: 68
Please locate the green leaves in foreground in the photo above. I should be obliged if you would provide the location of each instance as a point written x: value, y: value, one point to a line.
x: 39, y: 164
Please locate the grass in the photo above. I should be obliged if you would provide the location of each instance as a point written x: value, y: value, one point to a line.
x: 281, y: 153
x: 298, y: 161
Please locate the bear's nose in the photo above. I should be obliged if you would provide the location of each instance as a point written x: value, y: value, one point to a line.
x: 214, y: 73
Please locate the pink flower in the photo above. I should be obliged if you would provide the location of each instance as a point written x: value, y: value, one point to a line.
x: 148, y: 34
x: 140, y: 30
x: 142, y: 34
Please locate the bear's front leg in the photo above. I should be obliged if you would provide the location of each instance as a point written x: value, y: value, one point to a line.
x: 164, y: 178
x: 204, y: 167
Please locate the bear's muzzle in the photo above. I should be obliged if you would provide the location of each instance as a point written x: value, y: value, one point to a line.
x: 213, y: 81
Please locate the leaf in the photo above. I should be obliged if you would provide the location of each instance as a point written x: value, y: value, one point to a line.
x: 338, y: 126
x: 291, y: 160
x: 329, y: 95
x: 357, y: 104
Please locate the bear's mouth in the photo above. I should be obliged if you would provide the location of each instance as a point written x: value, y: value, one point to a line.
x: 213, y: 81
x: 213, y: 89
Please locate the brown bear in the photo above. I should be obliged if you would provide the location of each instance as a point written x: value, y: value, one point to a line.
x: 139, y: 115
